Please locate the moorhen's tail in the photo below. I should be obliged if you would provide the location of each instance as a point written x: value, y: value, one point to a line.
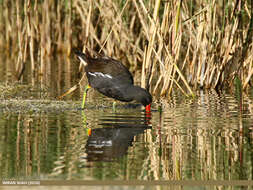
x: 84, y: 57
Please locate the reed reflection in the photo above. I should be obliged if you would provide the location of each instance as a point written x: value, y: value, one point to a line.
x: 116, y: 135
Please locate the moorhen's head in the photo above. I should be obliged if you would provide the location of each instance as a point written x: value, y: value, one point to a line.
x: 141, y: 95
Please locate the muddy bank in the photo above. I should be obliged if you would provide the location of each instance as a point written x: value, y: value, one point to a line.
x: 25, y: 98
x: 33, y: 106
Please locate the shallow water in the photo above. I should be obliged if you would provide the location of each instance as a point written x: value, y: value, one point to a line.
x: 208, y: 138
x: 41, y: 138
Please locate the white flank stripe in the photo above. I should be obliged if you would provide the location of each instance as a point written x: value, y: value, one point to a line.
x: 100, y: 74
x: 108, y: 76
x: 92, y: 74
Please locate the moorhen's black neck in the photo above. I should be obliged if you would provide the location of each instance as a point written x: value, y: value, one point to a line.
x: 139, y: 94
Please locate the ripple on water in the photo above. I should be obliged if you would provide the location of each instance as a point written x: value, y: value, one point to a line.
x: 193, y: 139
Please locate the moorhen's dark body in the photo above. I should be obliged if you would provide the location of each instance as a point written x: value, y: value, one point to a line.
x: 111, y: 78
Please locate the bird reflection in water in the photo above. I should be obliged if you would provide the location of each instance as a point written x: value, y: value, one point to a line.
x: 117, y: 134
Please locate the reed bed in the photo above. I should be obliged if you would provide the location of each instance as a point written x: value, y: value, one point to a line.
x: 166, y: 44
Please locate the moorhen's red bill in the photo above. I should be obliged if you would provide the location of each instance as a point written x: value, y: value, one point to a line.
x: 111, y: 78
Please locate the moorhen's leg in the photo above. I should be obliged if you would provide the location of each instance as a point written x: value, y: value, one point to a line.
x: 84, y: 94
x: 114, y: 106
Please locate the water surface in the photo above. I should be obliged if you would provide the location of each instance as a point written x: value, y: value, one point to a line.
x: 207, y: 138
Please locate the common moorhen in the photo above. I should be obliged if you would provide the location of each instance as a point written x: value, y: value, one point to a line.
x: 111, y: 78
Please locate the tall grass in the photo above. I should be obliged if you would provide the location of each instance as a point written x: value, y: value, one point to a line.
x: 184, y: 44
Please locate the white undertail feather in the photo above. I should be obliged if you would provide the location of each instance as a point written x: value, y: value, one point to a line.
x: 82, y: 61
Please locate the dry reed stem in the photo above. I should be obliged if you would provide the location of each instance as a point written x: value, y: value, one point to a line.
x: 181, y: 75
x: 152, y: 35
x: 115, y: 22
x: 208, y: 41
x: 30, y: 34
x: 250, y: 73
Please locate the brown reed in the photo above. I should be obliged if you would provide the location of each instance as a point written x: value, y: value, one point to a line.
x: 184, y: 44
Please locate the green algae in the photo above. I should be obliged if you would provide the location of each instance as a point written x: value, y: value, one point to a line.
x: 28, y: 99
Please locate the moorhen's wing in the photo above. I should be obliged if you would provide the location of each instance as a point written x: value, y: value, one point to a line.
x: 105, y: 66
